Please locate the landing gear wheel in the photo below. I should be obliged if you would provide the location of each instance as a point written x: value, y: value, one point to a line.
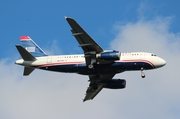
x: 90, y: 66
x: 142, y: 73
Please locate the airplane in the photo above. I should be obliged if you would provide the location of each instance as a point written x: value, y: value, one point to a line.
x: 99, y: 64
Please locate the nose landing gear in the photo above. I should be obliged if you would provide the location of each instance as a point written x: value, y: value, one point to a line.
x: 142, y: 73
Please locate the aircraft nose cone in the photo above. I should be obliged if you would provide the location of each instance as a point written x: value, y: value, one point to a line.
x: 163, y: 62
x: 160, y: 62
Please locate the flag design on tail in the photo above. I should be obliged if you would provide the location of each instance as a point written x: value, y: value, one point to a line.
x: 31, y: 46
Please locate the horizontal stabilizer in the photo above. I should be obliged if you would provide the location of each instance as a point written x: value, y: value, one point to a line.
x: 25, y: 54
x: 27, y: 71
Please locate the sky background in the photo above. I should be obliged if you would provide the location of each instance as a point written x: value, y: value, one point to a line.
x: 150, y: 26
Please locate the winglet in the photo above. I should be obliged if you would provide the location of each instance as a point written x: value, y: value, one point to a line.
x: 67, y: 17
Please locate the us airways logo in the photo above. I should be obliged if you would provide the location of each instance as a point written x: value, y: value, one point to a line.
x: 30, y: 49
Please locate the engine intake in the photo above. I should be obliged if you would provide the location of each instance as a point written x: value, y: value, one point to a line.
x: 113, y: 55
x: 115, y: 84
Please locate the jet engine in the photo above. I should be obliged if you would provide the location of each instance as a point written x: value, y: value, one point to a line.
x: 112, y: 55
x: 115, y: 84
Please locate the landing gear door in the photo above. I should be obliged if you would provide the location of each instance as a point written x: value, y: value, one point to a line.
x: 49, y: 59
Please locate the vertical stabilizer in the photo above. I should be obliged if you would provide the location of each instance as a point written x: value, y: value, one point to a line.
x: 31, y: 46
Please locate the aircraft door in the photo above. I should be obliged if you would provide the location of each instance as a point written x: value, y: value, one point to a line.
x: 49, y: 59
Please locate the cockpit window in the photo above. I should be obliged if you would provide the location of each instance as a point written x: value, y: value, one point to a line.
x: 153, y: 55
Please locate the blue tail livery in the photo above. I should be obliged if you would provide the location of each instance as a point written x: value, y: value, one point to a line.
x: 31, y: 46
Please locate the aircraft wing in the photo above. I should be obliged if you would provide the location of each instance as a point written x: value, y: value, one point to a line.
x: 90, y: 47
x: 96, y: 85
x: 84, y: 40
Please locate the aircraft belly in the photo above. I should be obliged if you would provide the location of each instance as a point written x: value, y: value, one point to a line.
x: 71, y: 68
x: 116, y: 67
x: 99, y: 69
x: 137, y: 65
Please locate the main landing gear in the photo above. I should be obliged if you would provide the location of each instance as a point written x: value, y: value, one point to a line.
x: 90, y: 66
x: 93, y: 61
x: 142, y: 73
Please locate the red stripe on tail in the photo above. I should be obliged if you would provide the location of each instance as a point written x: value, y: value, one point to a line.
x: 24, y: 38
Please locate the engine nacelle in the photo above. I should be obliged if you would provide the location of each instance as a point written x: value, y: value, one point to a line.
x: 113, y: 55
x: 115, y: 84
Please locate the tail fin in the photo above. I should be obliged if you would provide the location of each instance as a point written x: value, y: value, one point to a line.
x: 31, y: 46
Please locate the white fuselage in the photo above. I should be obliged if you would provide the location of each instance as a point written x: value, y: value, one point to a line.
x: 76, y: 63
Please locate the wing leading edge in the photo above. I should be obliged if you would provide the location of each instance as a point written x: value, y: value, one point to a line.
x: 89, y: 46
x: 84, y: 40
